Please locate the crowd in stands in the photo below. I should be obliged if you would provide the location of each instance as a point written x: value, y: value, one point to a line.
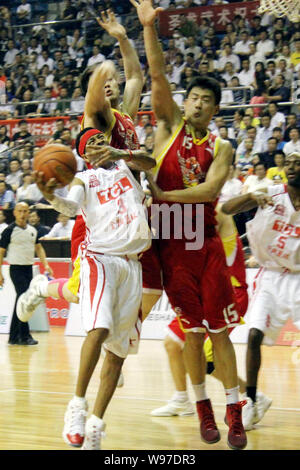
x: 257, y: 63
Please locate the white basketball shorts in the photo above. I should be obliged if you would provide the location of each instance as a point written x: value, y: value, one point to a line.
x: 275, y: 299
x: 110, y: 297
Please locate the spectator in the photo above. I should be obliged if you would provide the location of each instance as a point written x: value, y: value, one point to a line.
x: 35, y: 221
x: 229, y: 72
x: 277, y: 118
x: 23, y: 134
x: 278, y: 92
x: 251, y: 133
x: 192, y: 47
x: 285, y: 54
x: 291, y: 122
x: 238, y: 95
x: 258, y: 98
x: 3, y: 224
x: 96, y: 58
x: 69, y: 12
x: 178, y: 67
x: 26, y: 165
x: 223, y: 132
x: 265, y: 45
x: 295, y: 56
x: 271, y: 70
x: 9, y: 57
x: 29, y: 109
x: 260, y: 80
x: 232, y: 187
x: 177, y: 96
x: 49, y: 106
x: 278, y: 134
x: 255, y: 56
x: 45, y: 59
x: 226, y: 95
x: 265, y: 132
x: 60, y: 71
x: 246, y: 75
x: 77, y: 103
x: 171, y: 52
x: 60, y: 127
x: 62, y: 230
x: 22, y: 193
x: 7, y: 197
x: 228, y: 56
x: 4, y: 139
x: 24, y: 86
x: 63, y: 105
x: 74, y: 128
x: 268, y: 156
x: 39, y: 92
x: 15, y: 174
x: 258, y: 180
x: 293, y: 145
x: 23, y: 12
x: 34, y: 47
x: 149, y: 144
x: 242, y: 47
x: 277, y: 173
x: 10, y: 90
x: 187, y: 75
x: 246, y: 156
x: 283, y: 70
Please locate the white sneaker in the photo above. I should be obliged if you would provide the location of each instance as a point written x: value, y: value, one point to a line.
x: 93, y: 435
x: 120, y: 380
x: 175, y: 408
x: 249, y: 414
x: 74, y: 428
x: 263, y: 404
x: 31, y: 299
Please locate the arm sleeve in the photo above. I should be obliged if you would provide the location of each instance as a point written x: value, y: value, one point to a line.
x: 5, y: 237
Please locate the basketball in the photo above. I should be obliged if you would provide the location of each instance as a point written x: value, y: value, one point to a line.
x: 56, y: 161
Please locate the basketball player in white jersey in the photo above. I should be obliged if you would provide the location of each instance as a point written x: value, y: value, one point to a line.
x: 274, y: 237
x: 110, y: 294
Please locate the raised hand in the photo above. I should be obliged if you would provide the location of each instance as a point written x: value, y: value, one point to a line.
x: 111, y: 25
x: 146, y: 13
x: 100, y: 155
x: 48, y: 188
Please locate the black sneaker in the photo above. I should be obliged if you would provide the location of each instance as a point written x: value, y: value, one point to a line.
x: 28, y: 342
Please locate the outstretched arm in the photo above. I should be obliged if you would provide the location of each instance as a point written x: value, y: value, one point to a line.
x: 247, y: 202
x: 163, y: 105
x: 132, y: 68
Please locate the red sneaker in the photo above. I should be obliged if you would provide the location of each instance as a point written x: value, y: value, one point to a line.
x: 237, y: 438
x: 208, y: 428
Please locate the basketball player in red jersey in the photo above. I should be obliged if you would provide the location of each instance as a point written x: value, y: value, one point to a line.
x: 196, y: 281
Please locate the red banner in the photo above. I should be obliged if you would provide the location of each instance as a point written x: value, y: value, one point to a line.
x: 36, y: 127
x: 217, y: 15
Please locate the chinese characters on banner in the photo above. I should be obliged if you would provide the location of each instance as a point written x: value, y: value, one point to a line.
x: 217, y: 15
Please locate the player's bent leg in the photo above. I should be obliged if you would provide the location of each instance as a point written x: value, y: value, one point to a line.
x: 253, y: 363
x: 148, y: 302
x: 225, y: 361
x: 95, y: 425
x: 32, y: 298
x: 179, y: 405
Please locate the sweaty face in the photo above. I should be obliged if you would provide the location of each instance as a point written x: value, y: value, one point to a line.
x: 199, y: 107
x: 292, y: 169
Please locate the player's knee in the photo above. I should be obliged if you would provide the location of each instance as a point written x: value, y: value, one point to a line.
x: 171, y: 346
x: 97, y: 336
x: 255, y: 338
x: 115, y: 361
x: 194, y: 341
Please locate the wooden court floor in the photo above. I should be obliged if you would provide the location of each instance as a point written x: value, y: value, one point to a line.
x: 38, y: 381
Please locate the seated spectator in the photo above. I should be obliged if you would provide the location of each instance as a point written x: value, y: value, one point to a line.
x: 229, y: 72
x: 265, y: 131
x: 246, y: 75
x: 4, y: 139
x: 177, y: 97
x: 171, y: 51
x: 232, y: 187
x: 265, y: 45
x: 10, y: 90
x: 245, y: 156
x: 77, y: 102
x: 60, y: 127
x: 251, y: 133
x: 291, y: 122
x: 178, y: 66
x: 191, y: 46
x: 226, y: 95
x: 23, y: 134
x: 277, y: 173
x: 295, y: 56
x: 26, y: 165
x: 96, y: 58
x: 22, y: 191
x: 69, y: 12
x: 293, y: 145
x: 48, y: 75
x: 187, y: 76
x: 23, y: 12
x: 258, y: 98
x: 140, y: 127
x: 149, y: 144
x: 278, y: 92
x: 228, y: 56
x: 238, y: 95
x: 223, y: 132
x: 261, y: 79
x: 255, y: 56
x: 258, y: 180
x: 49, y: 106
x: 277, y: 118
x: 62, y: 230
x: 35, y: 221
x: 268, y: 156
x: 242, y: 47
x: 7, y: 197
x: 282, y: 68
x: 3, y: 224
x: 10, y: 55
x: 45, y: 59
x: 63, y: 105
x: 29, y: 109
x: 15, y: 174
x: 249, y: 120
x: 74, y: 127
x: 278, y: 134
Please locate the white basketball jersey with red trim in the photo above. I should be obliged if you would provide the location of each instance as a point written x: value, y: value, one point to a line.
x: 114, y: 211
x: 274, y: 232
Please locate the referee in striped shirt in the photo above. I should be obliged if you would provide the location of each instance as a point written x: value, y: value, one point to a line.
x: 20, y: 241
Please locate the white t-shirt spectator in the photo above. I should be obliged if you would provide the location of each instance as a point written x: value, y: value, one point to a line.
x: 246, y: 77
x: 257, y: 57
x: 265, y: 47
x: 242, y: 47
x: 278, y: 120
x: 10, y: 56
x: 62, y: 231
x: 226, y: 97
x: 25, y: 8
x: 231, y: 188
x: 41, y: 62
x: 233, y: 58
x: 96, y: 59
x: 252, y: 183
x: 262, y: 136
x: 291, y: 147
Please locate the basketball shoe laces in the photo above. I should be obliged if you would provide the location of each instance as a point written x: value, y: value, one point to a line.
x: 77, y: 418
x: 236, y: 420
x: 33, y: 300
x: 208, y: 417
x: 93, y: 437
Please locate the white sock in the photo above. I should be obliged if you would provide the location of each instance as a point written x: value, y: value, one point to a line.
x: 43, y: 289
x: 200, y: 392
x: 78, y: 400
x: 95, y: 421
x: 232, y: 395
x: 181, y: 396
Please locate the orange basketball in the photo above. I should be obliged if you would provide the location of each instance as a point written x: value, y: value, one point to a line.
x: 56, y: 161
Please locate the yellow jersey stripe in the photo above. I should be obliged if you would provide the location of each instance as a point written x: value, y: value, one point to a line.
x: 161, y: 156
